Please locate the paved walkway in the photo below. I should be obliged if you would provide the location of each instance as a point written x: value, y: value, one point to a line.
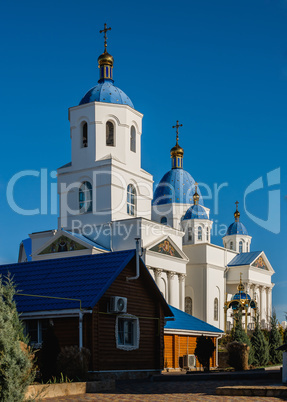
x: 168, y: 391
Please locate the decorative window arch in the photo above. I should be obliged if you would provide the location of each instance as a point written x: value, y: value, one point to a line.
x: 199, y: 233
x: 84, y: 134
x: 188, y: 305
x: 163, y: 220
x: 133, y: 139
x: 131, y: 200
x: 216, y: 309
x: 110, y: 134
x: 247, y: 246
x: 189, y: 233
x: 240, y: 246
x: 231, y: 245
x: 207, y: 234
x: 86, y: 197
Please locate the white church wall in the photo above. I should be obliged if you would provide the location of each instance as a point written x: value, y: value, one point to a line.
x: 215, y: 290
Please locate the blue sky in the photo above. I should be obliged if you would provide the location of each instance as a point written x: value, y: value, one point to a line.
x: 220, y: 68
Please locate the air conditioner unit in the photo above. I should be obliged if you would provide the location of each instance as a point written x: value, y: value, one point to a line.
x: 118, y: 304
x: 189, y: 361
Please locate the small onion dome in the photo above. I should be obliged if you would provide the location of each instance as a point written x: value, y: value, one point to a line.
x: 176, y: 151
x: 195, y: 212
x: 195, y: 196
x: 241, y: 296
x: 105, y: 59
x: 236, y: 228
x: 236, y: 215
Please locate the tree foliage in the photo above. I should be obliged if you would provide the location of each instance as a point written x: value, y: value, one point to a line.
x: 260, y: 346
x: 275, y: 340
x: 204, y: 350
x: 16, y: 358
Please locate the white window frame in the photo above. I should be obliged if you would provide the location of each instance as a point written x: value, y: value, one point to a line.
x: 133, y: 146
x: 189, y: 233
x: 128, y: 318
x: 108, y: 137
x: 216, y: 307
x: 86, y: 204
x: 131, y: 200
x: 241, y: 246
x: 199, y: 233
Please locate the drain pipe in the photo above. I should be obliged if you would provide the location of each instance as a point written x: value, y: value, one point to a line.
x: 138, y: 255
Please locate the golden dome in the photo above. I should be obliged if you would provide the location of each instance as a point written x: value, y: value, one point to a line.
x: 176, y: 151
x: 105, y: 59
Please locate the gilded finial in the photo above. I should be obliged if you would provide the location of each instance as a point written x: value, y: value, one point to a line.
x: 240, y: 287
x: 105, y: 30
x: 236, y: 213
x: 176, y: 152
x: 195, y: 195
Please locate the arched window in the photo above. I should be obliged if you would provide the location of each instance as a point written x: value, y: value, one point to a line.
x: 247, y: 245
x: 84, y: 135
x: 216, y: 309
x: 189, y: 233
x: 133, y: 139
x: 231, y: 245
x: 163, y: 220
x: 199, y: 233
x: 110, y: 134
x: 207, y: 234
x: 240, y: 247
x: 131, y: 200
x: 188, y: 305
x: 86, y: 197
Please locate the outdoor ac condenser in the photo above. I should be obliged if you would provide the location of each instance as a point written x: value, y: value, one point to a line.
x: 189, y: 361
x: 118, y: 304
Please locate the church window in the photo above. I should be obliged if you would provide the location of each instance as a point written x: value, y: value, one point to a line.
x: 133, y: 139
x: 85, y: 197
x: 189, y: 233
x: 110, y: 134
x: 240, y: 247
x: 84, y: 134
x: 127, y: 332
x: 216, y: 309
x: 163, y: 220
x: 199, y: 233
x: 231, y: 245
x: 207, y: 234
x: 188, y: 305
x: 247, y: 245
x: 131, y: 200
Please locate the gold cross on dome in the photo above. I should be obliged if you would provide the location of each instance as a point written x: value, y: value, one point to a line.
x: 177, y: 127
x: 105, y: 30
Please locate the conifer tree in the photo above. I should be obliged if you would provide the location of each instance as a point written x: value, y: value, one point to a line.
x: 275, y: 340
x: 239, y: 335
x: 204, y: 351
x: 16, y: 359
x: 260, y: 346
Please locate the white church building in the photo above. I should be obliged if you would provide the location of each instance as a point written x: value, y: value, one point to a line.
x: 107, y: 201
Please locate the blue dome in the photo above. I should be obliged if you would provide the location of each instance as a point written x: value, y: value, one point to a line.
x: 241, y: 295
x: 236, y: 228
x: 176, y: 186
x: 195, y: 212
x: 105, y: 91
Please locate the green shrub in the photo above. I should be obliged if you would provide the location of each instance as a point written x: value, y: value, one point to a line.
x: 16, y: 358
x: 238, y: 353
x: 73, y: 362
x: 204, y: 351
x: 275, y: 340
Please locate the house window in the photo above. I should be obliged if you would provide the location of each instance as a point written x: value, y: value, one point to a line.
x: 36, y: 330
x: 189, y: 233
x: 110, y: 134
x: 240, y: 246
x: 216, y: 309
x: 131, y: 200
x: 84, y: 135
x: 199, y: 233
x: 85, y: 197
x: 188, y: 305
x: 207, y: 234
x: 133, y: 139
x: 163, y: 220
x: 231, y: 245
x: 127, y: 332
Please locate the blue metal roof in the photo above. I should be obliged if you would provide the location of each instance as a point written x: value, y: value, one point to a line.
x: 176, y: 186
x: 86, y: 240
x: 86, y: 278
x: 105, y: 91
x: 244, y: 258
x: 188, y: 322
x: 27, y: 244
x: 195, y: 212
x: 236, y: 228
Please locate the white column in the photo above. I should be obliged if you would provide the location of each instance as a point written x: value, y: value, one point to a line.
x: 181, y: 279
x: 268, y: 303
x: 261, y: 302
x: 157, y: 276
x: 170, y: 277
